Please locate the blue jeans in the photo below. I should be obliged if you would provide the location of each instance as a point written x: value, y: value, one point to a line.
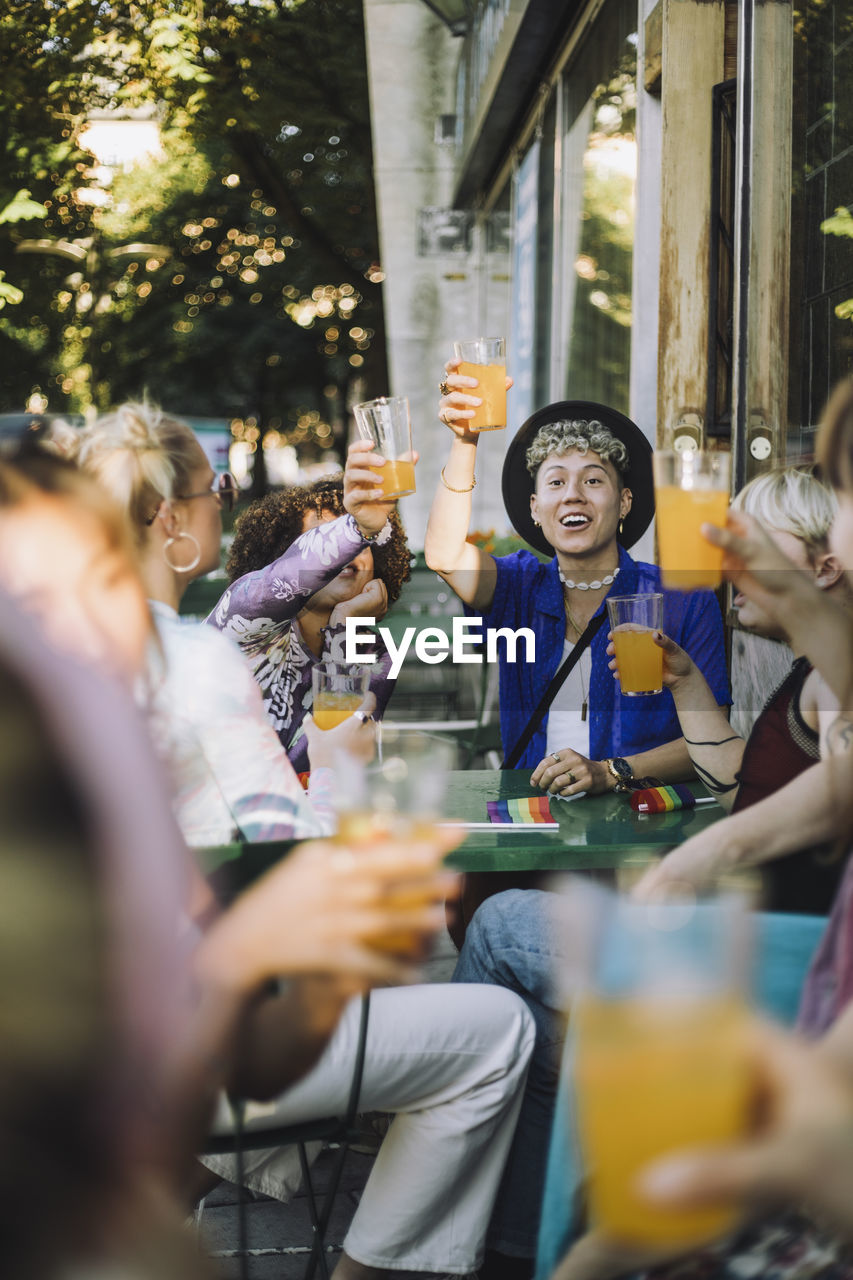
x: 512, y: 943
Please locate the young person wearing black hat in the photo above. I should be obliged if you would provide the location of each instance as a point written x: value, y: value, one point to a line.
x: 577, y: 485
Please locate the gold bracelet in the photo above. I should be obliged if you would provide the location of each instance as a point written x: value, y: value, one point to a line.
x: 451, y: 488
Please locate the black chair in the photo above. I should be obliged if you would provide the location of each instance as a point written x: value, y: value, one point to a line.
x: 230, y: 869
x: 341, y: 1130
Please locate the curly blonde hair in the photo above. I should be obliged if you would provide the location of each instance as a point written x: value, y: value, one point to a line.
x: 580, y: 436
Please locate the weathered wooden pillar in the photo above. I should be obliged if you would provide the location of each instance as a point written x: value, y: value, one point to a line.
x: 764, y: 417
x: 692, y: 62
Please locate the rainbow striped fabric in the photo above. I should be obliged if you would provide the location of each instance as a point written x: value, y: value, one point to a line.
x: 662, y: 799
x: 532, y: 809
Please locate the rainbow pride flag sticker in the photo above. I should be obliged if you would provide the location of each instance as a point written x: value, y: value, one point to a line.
x: 662, y: 799
x: 533, y: 809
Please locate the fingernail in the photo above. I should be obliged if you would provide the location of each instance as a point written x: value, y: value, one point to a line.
x: 478, y: 399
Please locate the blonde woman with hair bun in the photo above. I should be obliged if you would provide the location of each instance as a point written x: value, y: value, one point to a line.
x: 230, y: 775
x: 449, y: 1060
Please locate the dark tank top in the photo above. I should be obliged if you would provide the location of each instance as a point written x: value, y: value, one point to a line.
x: 780, y: 747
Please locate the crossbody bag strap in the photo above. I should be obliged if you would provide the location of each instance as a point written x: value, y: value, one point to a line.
x: 556, y: 683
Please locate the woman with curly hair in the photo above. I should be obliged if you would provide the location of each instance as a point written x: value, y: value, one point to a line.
x: 285, y: 607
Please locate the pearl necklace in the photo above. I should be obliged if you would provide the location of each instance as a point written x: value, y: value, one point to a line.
x: 588, y: 586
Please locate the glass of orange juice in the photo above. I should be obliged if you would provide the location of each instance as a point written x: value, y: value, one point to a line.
x: 662, y: 1055
x: 485, y: 360
x: 386, y: 422
x: 398, y: 797
x: 339, y: 689
x: 691, y: 489
x: 639, y: 661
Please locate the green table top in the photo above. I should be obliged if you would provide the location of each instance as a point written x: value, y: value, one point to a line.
x: 593, y: 832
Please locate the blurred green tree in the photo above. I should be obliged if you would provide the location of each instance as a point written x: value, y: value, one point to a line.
x: 263, y: 300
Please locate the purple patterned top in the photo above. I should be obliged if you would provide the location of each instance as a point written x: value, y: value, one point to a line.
x: 259, y: 611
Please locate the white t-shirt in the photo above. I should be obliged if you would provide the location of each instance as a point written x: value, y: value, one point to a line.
x: 566, y: 728
x: 228, y: 769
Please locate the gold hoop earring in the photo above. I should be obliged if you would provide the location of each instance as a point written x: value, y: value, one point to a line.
x: 538, y: 525
x: 183, y: 568
x: 621, y: 527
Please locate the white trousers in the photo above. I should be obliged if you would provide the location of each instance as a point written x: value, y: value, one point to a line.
x: 451, y: 1062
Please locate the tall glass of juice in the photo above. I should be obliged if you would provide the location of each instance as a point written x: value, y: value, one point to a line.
x: 339, y: 689
x: 662, y: 1057
x: 398, y: 797
x: 387, y: 423
x: 639, y: 661
x: 691, y: 489
x: 485, y: 360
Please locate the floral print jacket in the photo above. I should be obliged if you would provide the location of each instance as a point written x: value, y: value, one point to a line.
x: 259, y: 612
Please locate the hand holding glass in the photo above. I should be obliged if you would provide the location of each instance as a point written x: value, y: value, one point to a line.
x: 485, y: 360
x: 339, y: 689
x: 663, y: 1058
x: 691, y: 489
x: 387, y: 423
x: 397, y: 798
x: 639, y: 661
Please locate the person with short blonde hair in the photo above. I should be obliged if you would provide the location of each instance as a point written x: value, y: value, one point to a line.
x: 792, y: 500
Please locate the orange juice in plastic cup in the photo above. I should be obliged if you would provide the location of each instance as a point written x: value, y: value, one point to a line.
x: 398, y: 797
x: 365, y: 829
x: 639, y: 661
x: 485, y: 360
x: 662, y: 1048
x: 338, y: 691
x: 654, y: 1076
x: 691, y: 489
x: 396, y: 477
x: 386, y: 423
x: 331, y: 709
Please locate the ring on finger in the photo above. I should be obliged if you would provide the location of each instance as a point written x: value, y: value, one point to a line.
x: 555, y: 755
x: 572, y: 779
x: 359, y: 715
x: 443, y: 387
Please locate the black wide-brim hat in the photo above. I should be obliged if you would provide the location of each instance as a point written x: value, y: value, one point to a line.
x: 518, y: 485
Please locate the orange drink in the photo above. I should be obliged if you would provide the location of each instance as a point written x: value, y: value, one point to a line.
x: 338, y: 690
x: 691, y: 489
x: 655, y: 1075
x: 639, y: 660
x: 485, y: 360
x: 491, y: 414
x: 687, y: 560
x: 364, y: 829
x: 331, y: 709
x: 386, y: 423
x: 396, y: 477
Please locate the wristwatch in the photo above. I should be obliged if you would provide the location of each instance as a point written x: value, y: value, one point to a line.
x: 620, y: 769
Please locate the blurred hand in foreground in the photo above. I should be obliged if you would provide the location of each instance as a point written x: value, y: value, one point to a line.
x: 325, y: 910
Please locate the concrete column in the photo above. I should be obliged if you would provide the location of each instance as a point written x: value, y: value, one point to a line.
x: 429, y: 301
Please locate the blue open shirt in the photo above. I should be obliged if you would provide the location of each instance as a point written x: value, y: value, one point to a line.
x: 530, y: 594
